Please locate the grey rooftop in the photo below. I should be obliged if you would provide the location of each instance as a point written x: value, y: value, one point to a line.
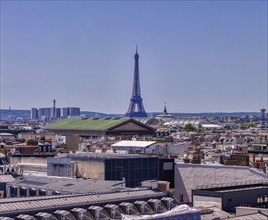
x: 48, y: 203
x: 67, y: 185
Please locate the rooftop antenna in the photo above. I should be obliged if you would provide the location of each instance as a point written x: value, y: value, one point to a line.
x: 165, y: 109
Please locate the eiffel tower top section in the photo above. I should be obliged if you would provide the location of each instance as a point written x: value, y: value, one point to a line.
x: 136, y: 82
x: 136, y: 108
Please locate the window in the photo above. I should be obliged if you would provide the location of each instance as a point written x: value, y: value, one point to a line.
x: 262, y: 201
x: 168, y: 166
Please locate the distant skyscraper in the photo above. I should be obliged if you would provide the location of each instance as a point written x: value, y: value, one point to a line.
x: 57, y: 111
x: 65, y: 112
x: 44, y: 113
x: 49, y: 113
x: 34, y: 113
x: 70, y: 111
x: 136, y: 108
x: 74, y: 111
x: 54, y: 113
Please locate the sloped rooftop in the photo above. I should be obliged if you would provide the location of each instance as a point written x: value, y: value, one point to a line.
x: 15, y: 206
x: 86, y: 123
x: 256, y: 216
x: 6, y: 178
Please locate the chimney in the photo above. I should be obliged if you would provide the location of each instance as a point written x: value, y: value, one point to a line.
x: 54, y: 108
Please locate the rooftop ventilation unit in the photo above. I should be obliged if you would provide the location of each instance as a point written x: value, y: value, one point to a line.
x: 43, y: 216
x: 129, y: 208
x: 157, y: 205
x: 25, y: 217
x: 114, y: 211
x: 144, y: 208
x: 79, y: 213
x: 98, y: 212
x: 168, y: 202
x: 62, y: 214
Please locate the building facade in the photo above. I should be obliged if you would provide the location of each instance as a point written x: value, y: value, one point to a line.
x: 49, y: 113
x: 34, y: 113
x: 229, y: 196
x: 134, y: 169
x: 70, y: 112
x: 191, y: 176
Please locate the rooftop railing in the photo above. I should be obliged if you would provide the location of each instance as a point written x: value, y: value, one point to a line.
x: 222, y: 185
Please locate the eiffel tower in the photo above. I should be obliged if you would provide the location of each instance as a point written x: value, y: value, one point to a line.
x: 136, y: 109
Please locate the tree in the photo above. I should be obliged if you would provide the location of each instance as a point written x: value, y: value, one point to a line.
x: 189, y: 127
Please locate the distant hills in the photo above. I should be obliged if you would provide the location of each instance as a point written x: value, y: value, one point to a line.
x: 7, y: 114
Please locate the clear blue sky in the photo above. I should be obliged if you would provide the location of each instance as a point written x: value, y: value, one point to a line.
x: 198, y: 56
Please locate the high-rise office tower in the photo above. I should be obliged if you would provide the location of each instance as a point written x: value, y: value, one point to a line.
x: 34, y: 113
x: 70, y: 111
x: 45, y: 113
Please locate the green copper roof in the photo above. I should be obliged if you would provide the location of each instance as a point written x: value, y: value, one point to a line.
x: 86, y: 123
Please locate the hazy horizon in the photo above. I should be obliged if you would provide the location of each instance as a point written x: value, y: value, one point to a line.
x: 152, y: 112
x: 198, y: 56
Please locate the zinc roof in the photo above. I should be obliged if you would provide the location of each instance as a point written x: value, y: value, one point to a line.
x: 86, y: 123
x: 6, y: 134
x: 256, y: 216
x: 6, y: 178
x: 70, y: 185
x: 50, y: 202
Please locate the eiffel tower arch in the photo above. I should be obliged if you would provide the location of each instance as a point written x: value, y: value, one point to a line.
x: 136, y: 108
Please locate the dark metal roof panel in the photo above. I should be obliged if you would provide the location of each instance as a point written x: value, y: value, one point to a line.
x: 40, y: 204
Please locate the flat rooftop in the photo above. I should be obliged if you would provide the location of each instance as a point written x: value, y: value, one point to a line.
x: 87, y: 155
x: 256, y: 216
x: 67, y: 185
x: 139, y: 144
